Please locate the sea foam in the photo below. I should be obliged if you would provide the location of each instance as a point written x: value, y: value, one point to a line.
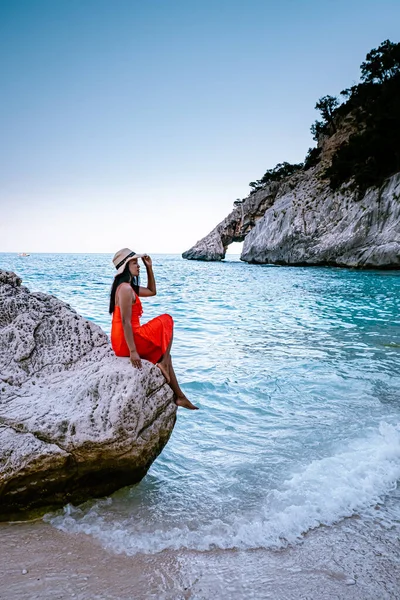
x: 349, y: 482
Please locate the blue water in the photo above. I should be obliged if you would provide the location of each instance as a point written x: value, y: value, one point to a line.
x: 297, y: 375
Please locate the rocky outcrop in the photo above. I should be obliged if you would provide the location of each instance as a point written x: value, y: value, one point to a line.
x: 75, y: 421
x: 301, y: 221
x: 311, y: 225
x: 235, y: 227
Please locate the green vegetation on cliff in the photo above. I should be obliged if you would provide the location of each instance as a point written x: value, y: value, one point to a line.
x: 276, y: 174
x: 372, y: 152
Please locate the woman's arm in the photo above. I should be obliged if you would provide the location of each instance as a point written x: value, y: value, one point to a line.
x: 125, y: 305
x: 151, y: 289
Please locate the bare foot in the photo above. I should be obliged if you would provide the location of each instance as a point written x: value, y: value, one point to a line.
x: 164, y: 371
x: 185, y: 403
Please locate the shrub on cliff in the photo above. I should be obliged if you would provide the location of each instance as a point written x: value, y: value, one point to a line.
x: 373, y: 152
x: 327, y: 106
x: 278, y: 173
x: 381, y: 63
x: 312, y: 158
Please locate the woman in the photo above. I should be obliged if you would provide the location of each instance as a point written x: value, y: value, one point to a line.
x: 151, y: 341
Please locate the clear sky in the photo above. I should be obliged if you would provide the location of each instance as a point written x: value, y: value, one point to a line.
x: 138, y: 123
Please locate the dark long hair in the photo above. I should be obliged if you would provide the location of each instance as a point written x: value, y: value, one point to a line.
x: 124, y: 277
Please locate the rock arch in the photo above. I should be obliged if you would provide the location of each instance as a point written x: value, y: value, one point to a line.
x: 235, y: 227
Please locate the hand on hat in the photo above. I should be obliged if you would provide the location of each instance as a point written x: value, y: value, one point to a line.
x: 147, y: 260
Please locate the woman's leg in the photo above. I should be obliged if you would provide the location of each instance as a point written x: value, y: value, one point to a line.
x: 179, y: 398
x: 165, y: 366
x: 165, y: 362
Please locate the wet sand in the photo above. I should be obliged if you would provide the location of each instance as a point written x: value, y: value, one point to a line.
x: 351, y: 561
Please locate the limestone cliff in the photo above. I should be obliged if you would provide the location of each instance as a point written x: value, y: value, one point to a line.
x: 301, y: 221
x: 311, y: 225
x: 75, y: 421
x: 235, y: 227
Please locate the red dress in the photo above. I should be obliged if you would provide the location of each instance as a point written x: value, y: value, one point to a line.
x: 151, y: 339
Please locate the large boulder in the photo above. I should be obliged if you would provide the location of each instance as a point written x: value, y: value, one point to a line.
x: 75, y: 421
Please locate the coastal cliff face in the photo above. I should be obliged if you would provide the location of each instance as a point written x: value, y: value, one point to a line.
x: 301, y: 221
x: 311, y: 225
x: 75, y: 421
x: 235, y: 227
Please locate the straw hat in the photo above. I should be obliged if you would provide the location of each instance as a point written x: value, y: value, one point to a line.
x: 124, y: 256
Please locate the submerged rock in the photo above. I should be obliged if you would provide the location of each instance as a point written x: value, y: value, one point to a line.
x: 75, y: 421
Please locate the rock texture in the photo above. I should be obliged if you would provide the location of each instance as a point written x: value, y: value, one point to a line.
x: 235, y: 227
x: 310, y: 225
x: 75, y: 421
x: 300, y: 221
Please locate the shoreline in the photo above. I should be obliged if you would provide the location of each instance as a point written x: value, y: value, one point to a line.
x: 349, y: 561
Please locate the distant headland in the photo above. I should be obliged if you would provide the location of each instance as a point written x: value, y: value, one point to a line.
x: 341, y: 206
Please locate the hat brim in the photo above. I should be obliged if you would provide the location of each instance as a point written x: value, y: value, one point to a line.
x: 122, y: 267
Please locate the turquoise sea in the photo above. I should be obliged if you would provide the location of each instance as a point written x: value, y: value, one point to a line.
x: 297, y: 375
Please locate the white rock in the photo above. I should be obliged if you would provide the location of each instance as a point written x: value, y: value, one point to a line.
x: 235, y: 227
x: 75, y: 420
x: 301, y: 221
x: 326, y: 228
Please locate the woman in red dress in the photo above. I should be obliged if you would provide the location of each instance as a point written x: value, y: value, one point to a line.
x: 151, y: 341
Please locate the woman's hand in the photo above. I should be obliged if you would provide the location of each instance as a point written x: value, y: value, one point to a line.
x: 147, y: 260
x: 151, y: 289
x: 135, y: 359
